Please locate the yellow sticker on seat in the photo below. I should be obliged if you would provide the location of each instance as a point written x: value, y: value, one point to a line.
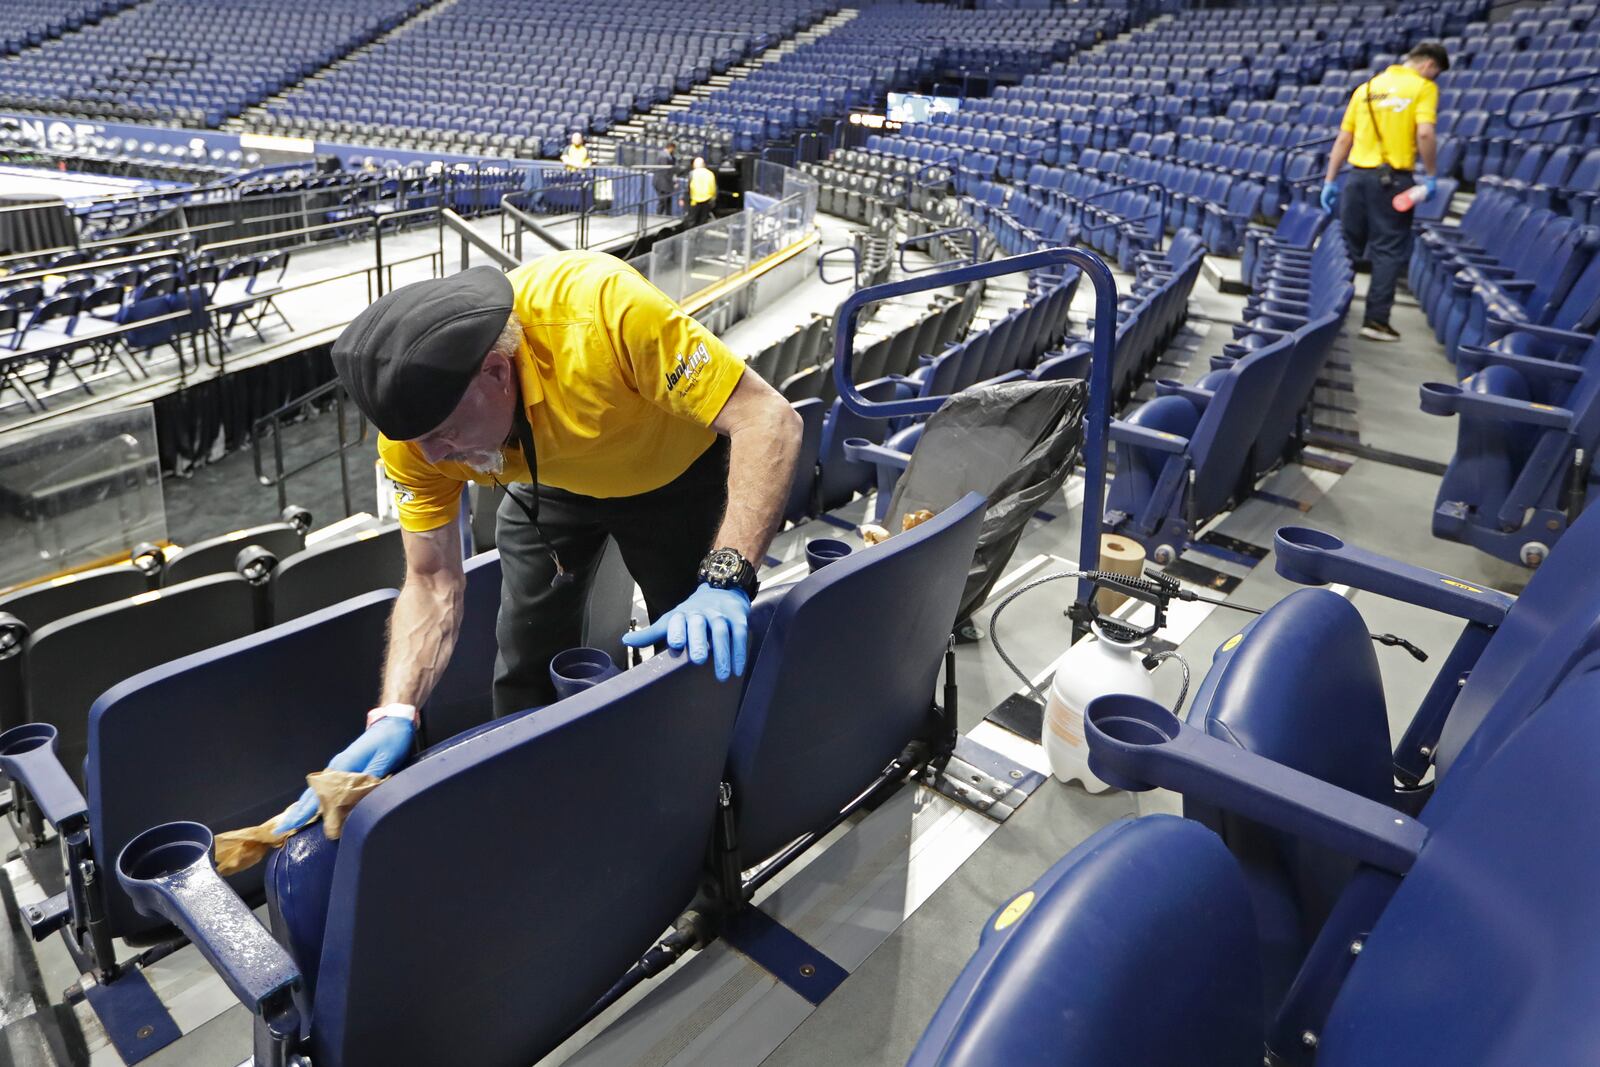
x: 1014, y: 910
x: 1232, y: 643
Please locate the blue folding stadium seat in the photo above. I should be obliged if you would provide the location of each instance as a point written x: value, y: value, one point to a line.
x: 1150, y: 901
x: 1416, y: 904
x: 1524, y: 448
x: 1184, y: 456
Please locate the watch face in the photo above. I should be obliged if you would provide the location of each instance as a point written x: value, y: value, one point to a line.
x: 722, y: 567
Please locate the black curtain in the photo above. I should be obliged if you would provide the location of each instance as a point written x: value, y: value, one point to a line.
x: 207, y: 421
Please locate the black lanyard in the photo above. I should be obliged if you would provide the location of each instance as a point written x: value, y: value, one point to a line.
x: 525, y: 439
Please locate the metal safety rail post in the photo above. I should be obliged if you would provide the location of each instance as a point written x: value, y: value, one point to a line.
x: 1550, y: 120
x: 828, y: 253
x: 1103, y: 352
x: 273, y: 422
x: 970, y: 258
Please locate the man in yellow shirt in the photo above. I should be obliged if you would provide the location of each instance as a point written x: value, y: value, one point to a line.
x: 702, y: 192
x: 1388, y: 123
x: 612, y: 412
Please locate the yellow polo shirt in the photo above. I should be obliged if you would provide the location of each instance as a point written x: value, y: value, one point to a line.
x: 1401, y: 100
x: 702, y: 185
x: 619, y: 384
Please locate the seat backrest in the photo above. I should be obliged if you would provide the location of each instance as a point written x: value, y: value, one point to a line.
x: 1135, y: 948
x: 1312, y: 345
x: 1498, y: 902
x: 810, y: 740
x: 226, y: 736
x: 1310, y: 653
x: 502, y: 853
x: 1221, y: 444
x: 39, y: 605
x: 216, y: 554
x: 462, y: 697
x: 840, y: 478
x: 813, y: 413
x: 75, y: 659
x: 1551, y: 626
x: 327, y: 574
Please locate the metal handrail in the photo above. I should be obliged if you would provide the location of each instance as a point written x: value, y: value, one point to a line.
x: 971, y: 257
x: 1290, y: 151
x: 1567, y: 116
x: 527, y: 221
x: 1159, y: 213
x: 273, y: 420
x: 469, y: 236
x: 855, y: 275
x: 1102, y: 344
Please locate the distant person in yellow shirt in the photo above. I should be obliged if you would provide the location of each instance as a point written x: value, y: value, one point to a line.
x: 611, y: 412
x: 702, y: 192
x: 1389, y: 122
x: 576, y: 155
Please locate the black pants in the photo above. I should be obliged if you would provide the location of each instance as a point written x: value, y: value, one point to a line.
x: 663, y: 201
x: 699, y: 214
x: 663, y: 535
x: 1377, y: 232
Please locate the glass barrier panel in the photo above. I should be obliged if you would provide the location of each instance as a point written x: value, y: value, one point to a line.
x: 79, y: 493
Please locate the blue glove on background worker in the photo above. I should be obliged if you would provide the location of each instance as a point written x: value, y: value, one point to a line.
x: 714, y: 619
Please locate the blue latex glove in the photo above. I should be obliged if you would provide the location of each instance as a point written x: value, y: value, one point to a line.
x: 714, y: 619
x: 384, y: 746
x: 1330, y: 196
x: 1431, y: 184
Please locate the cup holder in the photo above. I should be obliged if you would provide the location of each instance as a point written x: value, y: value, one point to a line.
x: 821, y: 551
x: 1439, y: 398
x: 27, y: 738
x: 1308, y: 538
x: 164, y: 851
x: 1119, y: 728
x: 576, y: 669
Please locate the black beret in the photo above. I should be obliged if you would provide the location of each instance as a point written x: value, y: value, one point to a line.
x: 407, y: 360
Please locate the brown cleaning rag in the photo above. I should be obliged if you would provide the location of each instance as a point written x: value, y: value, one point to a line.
x: 337, y: 793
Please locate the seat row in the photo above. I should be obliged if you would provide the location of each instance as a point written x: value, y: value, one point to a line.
x: 746, y: 768
x: 1192, y: 452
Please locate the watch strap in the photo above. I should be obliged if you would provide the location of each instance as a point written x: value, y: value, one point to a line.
x: 394, y: 711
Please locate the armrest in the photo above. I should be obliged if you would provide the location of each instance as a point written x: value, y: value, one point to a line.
x: 1475, y: 358
x: 168, y: 873
x: 1312, y: 557
x: 1200, y: 398
x: 1136, y: 744
x: 860, y: 450
x: 1442, y: 399
x: 1499, y: 328
x: 1501, y: 275
x: 1242, y: 330
x: 28, y: 755
x: 1126, y: 433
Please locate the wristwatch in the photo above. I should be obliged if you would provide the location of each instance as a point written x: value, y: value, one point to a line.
x: 725, y: 568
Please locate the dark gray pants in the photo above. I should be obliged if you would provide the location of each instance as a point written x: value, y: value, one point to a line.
x: 662, y: 534
x: 1378, y: 233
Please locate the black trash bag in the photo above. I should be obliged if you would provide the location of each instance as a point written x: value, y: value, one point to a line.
x: 1015, y: 443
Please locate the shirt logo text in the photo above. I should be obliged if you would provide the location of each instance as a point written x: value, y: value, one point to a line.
x: 687, y: 370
